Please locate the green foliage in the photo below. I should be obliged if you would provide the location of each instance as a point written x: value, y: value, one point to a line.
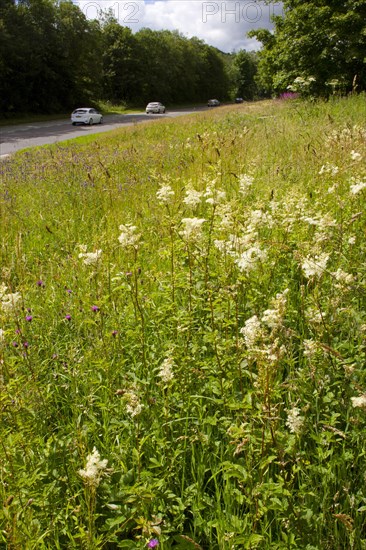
x: 321, y: 41
x: 53, y: 59
x: 182, y: 334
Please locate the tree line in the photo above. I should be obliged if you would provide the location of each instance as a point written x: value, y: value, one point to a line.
x: 52, y: 58
x: 317, y: 48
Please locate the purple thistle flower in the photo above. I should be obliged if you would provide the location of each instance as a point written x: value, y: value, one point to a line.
x: 40, y: 283
x: 15, y: 344
x: 95, y: 308
x: 26, y: 345
x: 69, y: 291
x: 114, y: 333
x: 17, y: 331
x: 153, y: 543
x: 68, y: 317
x: 29, y: 318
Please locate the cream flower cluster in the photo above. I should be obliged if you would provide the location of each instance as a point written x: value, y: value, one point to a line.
x: 8, y: 301
x: 94, y: 469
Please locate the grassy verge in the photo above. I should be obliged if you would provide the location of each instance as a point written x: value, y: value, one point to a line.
x: 182, y: 334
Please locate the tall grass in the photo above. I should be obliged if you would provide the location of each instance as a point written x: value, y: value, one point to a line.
x: 183, y: 329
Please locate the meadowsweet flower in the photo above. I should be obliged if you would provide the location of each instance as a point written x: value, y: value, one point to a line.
x: 357, y: 186
x: 343, y: 277
x: 192, y: 228
x: 249, y: 259
x: 356, y: 156
x: 90, y: 258
x: 245, y: 183
x: 314, y: 266
x: 166, y: 370
x: 128, y: 236
x: 94, y: 469
x: 310, y: 348
x: 10, y: 301
x: 193, y: 197
x: 133, y: 405
x: 252, y: 331
x: 294, y: 420
x: 214, y: 196
x: 328, y: 168
x: 352, y: 239
x: 164, y: 194
x: 359, y: 402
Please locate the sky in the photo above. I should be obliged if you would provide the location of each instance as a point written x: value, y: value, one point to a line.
x: 221, y: 24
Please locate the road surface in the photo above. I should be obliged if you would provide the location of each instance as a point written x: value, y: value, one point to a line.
x: 17, y: 137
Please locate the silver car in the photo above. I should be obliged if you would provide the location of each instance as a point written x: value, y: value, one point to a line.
x: 86, y: 115
x: 155, y: 107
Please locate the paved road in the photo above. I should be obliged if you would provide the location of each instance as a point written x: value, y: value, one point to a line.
x: 17, y: 137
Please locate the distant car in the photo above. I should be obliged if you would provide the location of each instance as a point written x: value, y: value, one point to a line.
x: 86, y: 115
x: 155, y: 107
x: 213, y: 103
x: 239, y: 100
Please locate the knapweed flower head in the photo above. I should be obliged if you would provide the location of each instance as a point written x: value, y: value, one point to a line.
x: 68, y: 317
x: 94, y: 469
x: 95, y: 308
x: 29, y: 318
x: 153, y: 543
x: 165, y: 194
x: 294, y: 420
x: 192, y: 228
x: 129, y: 236
x: 359, y: 402
x: 314, y: 266
x: 166, y: 370
x: 90, y: 258
x: 40, y: 283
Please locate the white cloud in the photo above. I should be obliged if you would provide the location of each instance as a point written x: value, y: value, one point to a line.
x: 218, y: 23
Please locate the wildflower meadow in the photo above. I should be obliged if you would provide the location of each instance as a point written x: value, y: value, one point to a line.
x: 183, y: 334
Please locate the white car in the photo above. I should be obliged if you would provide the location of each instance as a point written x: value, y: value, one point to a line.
x: 155, y: 107
x: 86, y: 115
x: 213, y: 103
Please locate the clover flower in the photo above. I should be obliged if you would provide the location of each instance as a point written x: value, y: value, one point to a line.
x: 294, y: 421
x: 94, y: 469
x: 128, y: 236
